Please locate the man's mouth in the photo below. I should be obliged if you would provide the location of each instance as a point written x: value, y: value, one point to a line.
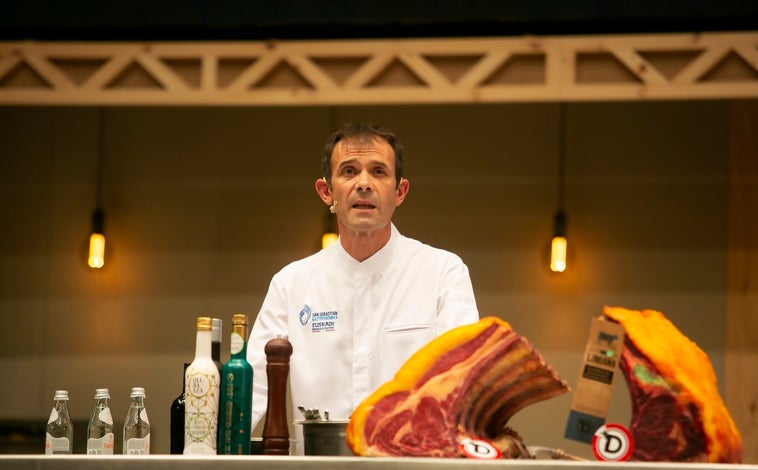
x: 363, y: 205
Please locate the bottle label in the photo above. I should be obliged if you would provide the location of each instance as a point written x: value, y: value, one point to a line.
x: 56, y: 445
x: 138, y: 446
x: 101, y: 446
x: 53, y: 416
x: 235, y: 409
x: 237, y: 343
x: 105, y: 416
x: 143, y: 416
x: 199, y: 385
x: 199, y: 426
x: 200, y: 436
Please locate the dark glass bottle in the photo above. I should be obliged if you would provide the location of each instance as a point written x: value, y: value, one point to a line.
x: 177, y: 419
x: 216, y: 324
x: 216, y: 343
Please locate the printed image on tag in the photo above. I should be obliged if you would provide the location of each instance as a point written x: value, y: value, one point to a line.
x: 581, y: 426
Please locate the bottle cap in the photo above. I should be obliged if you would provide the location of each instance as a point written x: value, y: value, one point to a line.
x: 102, y: 393
x: 216, y: 329
x: 137, y: 392
x: 204, y: 323
x: 61, y: 395
x: 239, y: 319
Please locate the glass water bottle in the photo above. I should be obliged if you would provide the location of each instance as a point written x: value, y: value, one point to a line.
x: 100, y: 438
x: 136, y: 425
x: 59, y: 436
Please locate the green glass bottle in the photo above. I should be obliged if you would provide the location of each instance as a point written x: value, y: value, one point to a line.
x: 236, y: 394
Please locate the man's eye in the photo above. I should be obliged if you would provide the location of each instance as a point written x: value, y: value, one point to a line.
x: 347, y: 171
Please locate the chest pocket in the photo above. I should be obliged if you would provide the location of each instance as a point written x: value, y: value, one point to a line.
x: 399, y: 343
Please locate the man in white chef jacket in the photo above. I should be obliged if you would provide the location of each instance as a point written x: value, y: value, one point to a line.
x: 357, y: 310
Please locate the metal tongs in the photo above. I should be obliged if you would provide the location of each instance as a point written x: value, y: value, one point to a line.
x: 312, y: 414
x: 539, y: 452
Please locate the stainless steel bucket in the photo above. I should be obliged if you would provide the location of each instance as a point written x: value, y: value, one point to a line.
x: 325, y: 437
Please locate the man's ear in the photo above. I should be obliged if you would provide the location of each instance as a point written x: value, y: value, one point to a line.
x: 323, y: 191
x: 402, y: 191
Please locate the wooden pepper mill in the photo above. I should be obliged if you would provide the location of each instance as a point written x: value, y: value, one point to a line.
x: 275, y: 429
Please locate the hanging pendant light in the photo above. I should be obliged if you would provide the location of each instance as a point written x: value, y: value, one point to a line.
x: 559, y: 244
x: 97, y: 240
x: 96, y: 259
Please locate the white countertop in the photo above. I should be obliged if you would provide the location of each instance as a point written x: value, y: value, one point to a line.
x: 173, y: 462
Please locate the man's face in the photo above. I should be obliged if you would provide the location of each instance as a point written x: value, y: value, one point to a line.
x: 363, y: 184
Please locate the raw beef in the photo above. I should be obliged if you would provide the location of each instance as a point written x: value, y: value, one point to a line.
x: 467, y: 383
x: 677, y: 412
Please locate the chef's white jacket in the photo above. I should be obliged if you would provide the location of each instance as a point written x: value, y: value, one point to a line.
x: 353, y: 324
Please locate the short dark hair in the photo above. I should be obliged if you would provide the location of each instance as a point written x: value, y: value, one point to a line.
x: 362, y: 133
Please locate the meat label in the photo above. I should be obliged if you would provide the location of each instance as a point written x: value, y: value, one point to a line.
x: 474, y: 448
x: 612, y: 443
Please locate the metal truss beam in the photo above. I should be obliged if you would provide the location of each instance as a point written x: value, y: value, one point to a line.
x: 397, y: 71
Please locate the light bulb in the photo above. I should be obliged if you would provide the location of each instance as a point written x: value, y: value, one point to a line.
x: 328, y: 239
x: 96, y: 251
x: 558, y: 254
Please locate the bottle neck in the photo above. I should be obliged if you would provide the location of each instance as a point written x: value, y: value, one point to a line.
x: 216, y: 340
x: 203, y: 345
x: 102, y: 403
x: 239, y: 348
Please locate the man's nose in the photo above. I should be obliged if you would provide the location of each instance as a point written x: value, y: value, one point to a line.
x: 364, y: 181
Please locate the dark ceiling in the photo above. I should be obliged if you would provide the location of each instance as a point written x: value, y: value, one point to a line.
x: 341, y: 19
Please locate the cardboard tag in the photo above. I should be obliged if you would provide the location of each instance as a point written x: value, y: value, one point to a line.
x: 592, y: 393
